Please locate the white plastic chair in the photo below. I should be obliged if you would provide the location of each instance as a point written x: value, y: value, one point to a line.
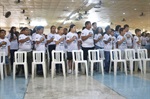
x: 130, y: 56
x: 142, y: 54
x: 57, y: 58
x: 101, y: 54
x: 2, y: 65
x: 38, y: 58
x: 115, y: 56
x: 20, y: 59
x: 94, y: 58
x: 78, y: 58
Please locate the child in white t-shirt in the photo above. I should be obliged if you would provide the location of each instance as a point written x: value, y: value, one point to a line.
x: 113, y: 38
x: 25, y: 44
x: 72, y: 43
x: 40, y: 40
x: 137, y: 40
x: 121, y: 42
x: 79, y: 40
x: 5, y: 47
x: 98, y: 38
x: 60, y: 40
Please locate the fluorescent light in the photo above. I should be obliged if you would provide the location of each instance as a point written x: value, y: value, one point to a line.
x: 38, y: 22
x: 73, y: 15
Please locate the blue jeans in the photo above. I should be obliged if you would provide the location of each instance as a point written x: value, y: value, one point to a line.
x: 107, y: 61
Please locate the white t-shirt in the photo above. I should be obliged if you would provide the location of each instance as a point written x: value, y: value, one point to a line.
x: 114, y: 42
x: 74, y: 44
x: 129, y: 37
x: 14, y: 43
x: 33, y: 36
x: 147, y: 41
x: 4, y: 48
x: 26, y: 46
x: 135, y: 44
x: 40, y: 46
x: 61, y: 45
x: 100, y: 43
x: 50, y: 36
x: 143, y: 41
x: 90, y: 41
x: 123, y: 45
x: 108, y: 46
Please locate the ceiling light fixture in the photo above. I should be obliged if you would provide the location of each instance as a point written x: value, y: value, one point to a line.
x: 124, y: 13
x: 38, y: 22
x: 73, y: 15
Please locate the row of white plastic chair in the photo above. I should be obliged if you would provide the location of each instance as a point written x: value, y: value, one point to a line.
x: 95, y: 56
x: 130, y: 55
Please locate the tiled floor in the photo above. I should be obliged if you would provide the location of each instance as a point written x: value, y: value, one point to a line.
x: 97, y: 87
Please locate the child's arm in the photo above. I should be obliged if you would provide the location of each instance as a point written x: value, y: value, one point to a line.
x: 24, y: 40
x: 121, y: 41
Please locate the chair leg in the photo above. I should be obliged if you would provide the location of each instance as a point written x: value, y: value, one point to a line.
x: 14, y: 71
x: 63, y: 67
x: 52, y: 69
x: 86, y: 67
x: 33, y: 70
x: 91, y: 68
x: 26, y: 71
x: 102, y: 69
x: 125, y: 67
x: 2, y: 73
x: 141, y: 67
x: 115, y: 68
x: 44, y: 70
x: 131, y: 67
x: 144, y: 67
x: 76, y: 69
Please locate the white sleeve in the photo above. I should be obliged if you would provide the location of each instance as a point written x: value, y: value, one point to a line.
x: 20, y: 37
x: 55, y: 38
x: 8, y: 42
x: 105, y: 38
x: 67, y: 37
x: 83, y: 33
x: 118, y: 38
x: 37, y: 38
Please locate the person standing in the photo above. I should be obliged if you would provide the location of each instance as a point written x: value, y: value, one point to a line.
x: 72, y: 43
x: 107, y: 47
x: 51, y: 43
x: 25, y: 44
x: 13, y: 38
x: 5, y: 47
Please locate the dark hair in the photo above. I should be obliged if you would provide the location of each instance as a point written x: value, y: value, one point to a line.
x: 143, y: 33
x: 107, y: 28
x: 93, y: 23
x: 39, y: 27
x: 59, y: 28
x: 97, y: 30
x: 112, y: 30
x: 121, y: 29
x: 137, y: 30
x: 52, y: 26
x: 2, y: 31
x: 24, y: 28
x: 117, y: 27
x: 79, y: 32
x: 66, y: 29
x: 12, y: 32
x: 87, y: 22
x: 71, y: 26
x: 126, y: 25
x: 83, y: 28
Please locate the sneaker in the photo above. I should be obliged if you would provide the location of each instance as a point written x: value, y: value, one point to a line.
x: 69, y: 71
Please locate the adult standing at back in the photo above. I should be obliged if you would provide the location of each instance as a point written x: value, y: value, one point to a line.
x: 13, y: 38
x: 129, y: 36
x: 87, y: 37
x: 50, y: 42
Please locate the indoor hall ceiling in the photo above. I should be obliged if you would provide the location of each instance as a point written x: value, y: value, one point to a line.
x: 58, y: 12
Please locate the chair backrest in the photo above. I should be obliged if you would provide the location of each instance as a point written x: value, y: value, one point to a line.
x: 142, y: 53
x: 93, y: 55
x: 57, y: 56
x: 20, y: 56
x: 115, y: 54
x: 101, y: 54
x: 129, y: 54
x: 2, y: 57
x: 77, y: 55
x: 38, y: 56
